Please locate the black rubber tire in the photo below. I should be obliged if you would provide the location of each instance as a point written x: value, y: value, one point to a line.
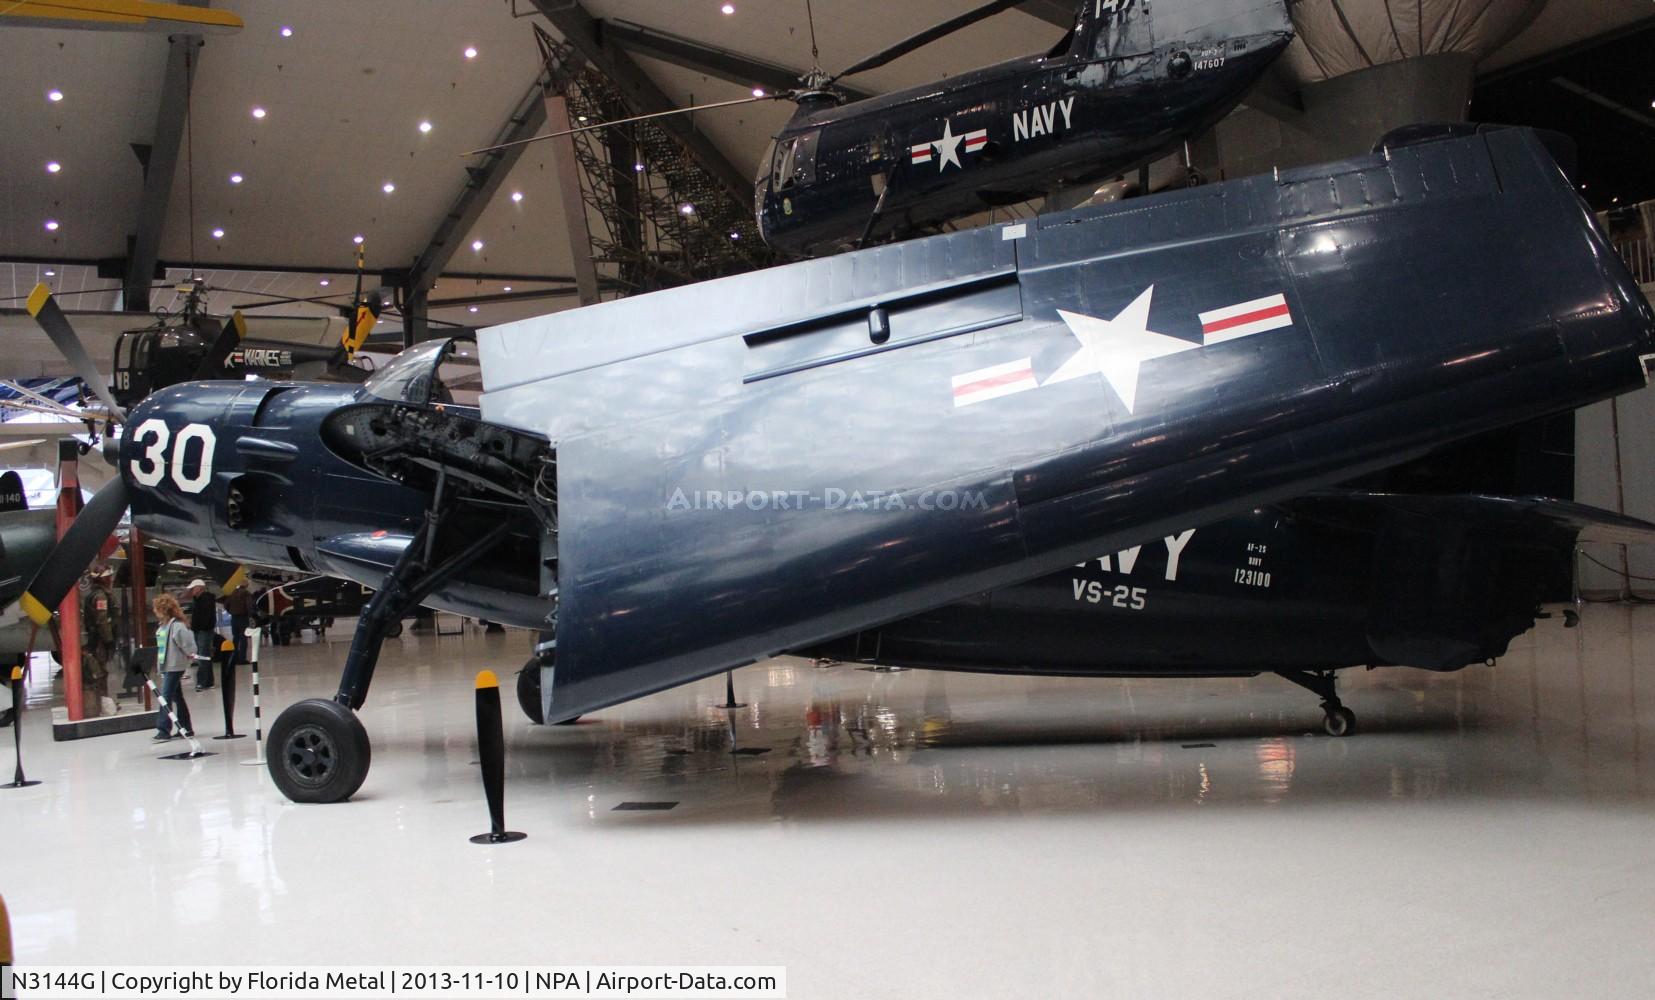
x: 1339, y: 722
x: 567, y: 722
x: 528, y: 692
x: 318, y: 752
x: 394, y: 630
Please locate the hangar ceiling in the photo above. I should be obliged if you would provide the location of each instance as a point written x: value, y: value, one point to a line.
x: 343, y: 97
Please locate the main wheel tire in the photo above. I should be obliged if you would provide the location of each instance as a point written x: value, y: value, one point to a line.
x: 1339, y: 722
x: 319, y: 751
x: 528, y: 692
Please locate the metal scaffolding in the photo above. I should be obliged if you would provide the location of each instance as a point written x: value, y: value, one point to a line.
x: 655, y: 217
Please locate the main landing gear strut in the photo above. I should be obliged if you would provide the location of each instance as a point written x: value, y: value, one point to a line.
x: 1337, y: 720
x: 318, y: 747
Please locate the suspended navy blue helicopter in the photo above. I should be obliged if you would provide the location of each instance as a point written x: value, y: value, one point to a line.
x: 680, y: 483
x: 1129, y: 83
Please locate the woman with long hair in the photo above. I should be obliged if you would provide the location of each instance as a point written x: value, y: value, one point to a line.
x: 174, y: 657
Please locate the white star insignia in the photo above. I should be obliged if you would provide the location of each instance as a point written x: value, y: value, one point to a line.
x: 948, y: 149
x: 1117, y: 348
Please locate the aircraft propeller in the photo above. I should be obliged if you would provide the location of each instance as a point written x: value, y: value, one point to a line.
x: 99, y: 519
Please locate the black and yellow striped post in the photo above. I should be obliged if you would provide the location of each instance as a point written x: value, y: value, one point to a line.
x: 491, y: 753
x: 18, y: 781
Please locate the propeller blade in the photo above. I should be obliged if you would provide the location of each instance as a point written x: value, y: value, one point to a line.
x: 46, y: 312
x: 232, y: 333
x: 74, y: 552
x: 636, y: 118
x: 230, y: 576
x: 927, y: 36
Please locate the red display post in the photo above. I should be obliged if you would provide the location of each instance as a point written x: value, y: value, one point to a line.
x: 68, y: 613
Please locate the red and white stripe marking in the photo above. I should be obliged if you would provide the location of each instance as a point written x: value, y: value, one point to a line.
x: 994, y: 381
x: 1245, y: 318
x: 976, y: 140
x: 920, y: 153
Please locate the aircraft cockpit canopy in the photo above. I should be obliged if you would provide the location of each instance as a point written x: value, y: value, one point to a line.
x: 437, y: 372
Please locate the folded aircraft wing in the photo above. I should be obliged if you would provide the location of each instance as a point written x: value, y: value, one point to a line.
x: 751, y: 464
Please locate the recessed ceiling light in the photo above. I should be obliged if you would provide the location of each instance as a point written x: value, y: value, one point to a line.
x: 476, y: 244
x: 734, y: 235
x: 758, y: 91
x: 357, y: 239
x: 580, y: 118
x: 473, y: 309
x: 235, y: 178
x: 324, y: 282
x: 51, y: 225
x: 287, y: 31
x: 425, y: 126
x: 388, y: 187
x: 638, y: 167
x: 54, y: 95
x: 728, y: 8
x: 53, y: 166
x: 51, y: 273
x: 258, y: 112
x: 517, y: 196
x: 507, y: 288
x: 218, y: 234
x: 471, y: 52
x: 687, y: 208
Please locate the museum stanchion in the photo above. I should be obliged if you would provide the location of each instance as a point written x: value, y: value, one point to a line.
x: 227, y: 694
x: 730, y: 692
x: 18, y: 780
x: 196, y: 750
x: 254, y: 635
x: 491, y: 753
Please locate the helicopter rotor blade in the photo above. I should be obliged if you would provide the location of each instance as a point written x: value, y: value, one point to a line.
x: 74, y: 552
x: 787, y: 95
x: 926, y: 37
x: 49, y: 315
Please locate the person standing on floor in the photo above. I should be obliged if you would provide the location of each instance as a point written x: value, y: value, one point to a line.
x: 174, y: 657
x: 240, y: 605
x: 203, y: 620
x: 97, y: 622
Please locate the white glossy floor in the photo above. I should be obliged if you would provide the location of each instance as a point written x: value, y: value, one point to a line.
x: 912, y: 834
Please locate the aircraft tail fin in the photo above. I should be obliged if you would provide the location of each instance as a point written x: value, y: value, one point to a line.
x: 12, y: 496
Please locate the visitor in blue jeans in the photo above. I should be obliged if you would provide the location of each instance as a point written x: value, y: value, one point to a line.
x: 174, y: 657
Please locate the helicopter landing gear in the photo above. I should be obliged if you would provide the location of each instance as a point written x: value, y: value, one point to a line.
x: 1337, y: 720
x: 319, y: 748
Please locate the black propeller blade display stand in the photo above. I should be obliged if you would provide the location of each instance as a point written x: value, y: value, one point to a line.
x: 18, y: 780
x: 491, y: 753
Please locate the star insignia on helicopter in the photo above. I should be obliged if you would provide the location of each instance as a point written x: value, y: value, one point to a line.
x: 947, y: 149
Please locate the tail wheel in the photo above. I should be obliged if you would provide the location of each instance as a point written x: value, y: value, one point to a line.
x: 528, y: 692
x: 319, y: 752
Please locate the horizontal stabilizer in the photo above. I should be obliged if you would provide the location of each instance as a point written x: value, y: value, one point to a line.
x: 1539, y: 519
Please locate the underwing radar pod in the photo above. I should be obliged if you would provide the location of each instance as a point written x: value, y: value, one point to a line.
x: 672, y: 485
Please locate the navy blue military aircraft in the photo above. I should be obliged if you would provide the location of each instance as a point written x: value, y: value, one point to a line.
x: 1126, y: 85
x: 680, y: 483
